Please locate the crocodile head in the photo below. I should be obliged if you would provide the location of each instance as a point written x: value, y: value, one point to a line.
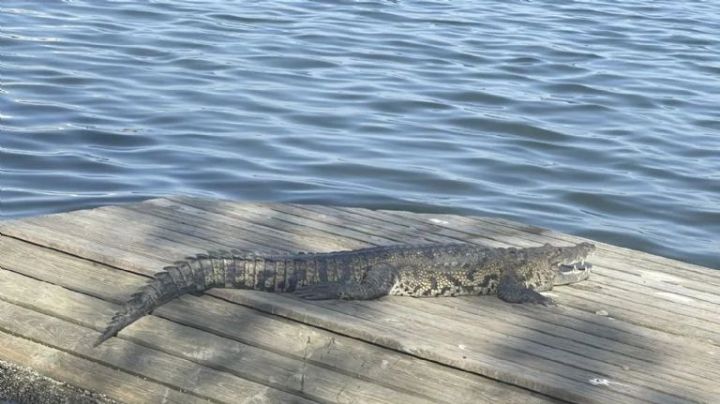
x: 569, y: 263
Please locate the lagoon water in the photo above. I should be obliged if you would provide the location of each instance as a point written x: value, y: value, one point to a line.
x: 597, y: 118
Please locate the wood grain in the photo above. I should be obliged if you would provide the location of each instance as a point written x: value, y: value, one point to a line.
x: 285, y: 355
x: 643, y: 328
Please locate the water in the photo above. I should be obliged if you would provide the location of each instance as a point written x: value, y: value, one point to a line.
x: 596, y: 118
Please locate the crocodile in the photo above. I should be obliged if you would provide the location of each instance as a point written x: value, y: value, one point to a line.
x: 515, y: 275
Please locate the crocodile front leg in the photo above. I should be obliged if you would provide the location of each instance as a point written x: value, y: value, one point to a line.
x: 378, y: 282
x: 512, y: 290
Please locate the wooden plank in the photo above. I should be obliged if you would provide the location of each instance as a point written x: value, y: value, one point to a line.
x: 22, y: 298
x: 178, y: 229
x: 522, y: 341
x: 96, y: 280
x: 637, y: 313
x: 261, y: 213
x: 325, y: 352
x: 546, y: 356
x: 177, y: 223
x: 87, y: 374
x: 217, y: 226
x: 154, y: 246
x: 80, y: 243
x: 700, y: 314
x: 348, y: 218
x: 324, y: 218
x: 633, y: 341
x: 581, y: 347
x: 296, y: 375
x: 351, y: 217
x: 335, y: 351
x: 559, y: 380
x: 104, y: 224
x: 659, y: 286
x: 383, y: 218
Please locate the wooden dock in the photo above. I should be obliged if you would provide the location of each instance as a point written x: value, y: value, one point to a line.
x: 642, y: 329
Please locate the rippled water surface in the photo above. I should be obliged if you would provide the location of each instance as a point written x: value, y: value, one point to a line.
x: 595, y: 118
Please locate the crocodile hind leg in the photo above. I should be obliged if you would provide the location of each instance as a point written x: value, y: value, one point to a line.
x: 512, y: 290
x: 378, y: 282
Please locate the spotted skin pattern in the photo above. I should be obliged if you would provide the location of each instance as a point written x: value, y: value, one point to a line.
x: 516, y: 275
x: 450, y: 283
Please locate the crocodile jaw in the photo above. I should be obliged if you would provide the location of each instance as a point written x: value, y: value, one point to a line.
x: 571, y: 273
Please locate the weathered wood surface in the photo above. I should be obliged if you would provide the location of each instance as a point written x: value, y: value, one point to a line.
x: 642, y: 329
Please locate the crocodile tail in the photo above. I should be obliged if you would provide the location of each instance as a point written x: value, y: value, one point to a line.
x: 193, y: 275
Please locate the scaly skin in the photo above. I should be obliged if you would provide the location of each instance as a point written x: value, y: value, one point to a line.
x: 514, y: 274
